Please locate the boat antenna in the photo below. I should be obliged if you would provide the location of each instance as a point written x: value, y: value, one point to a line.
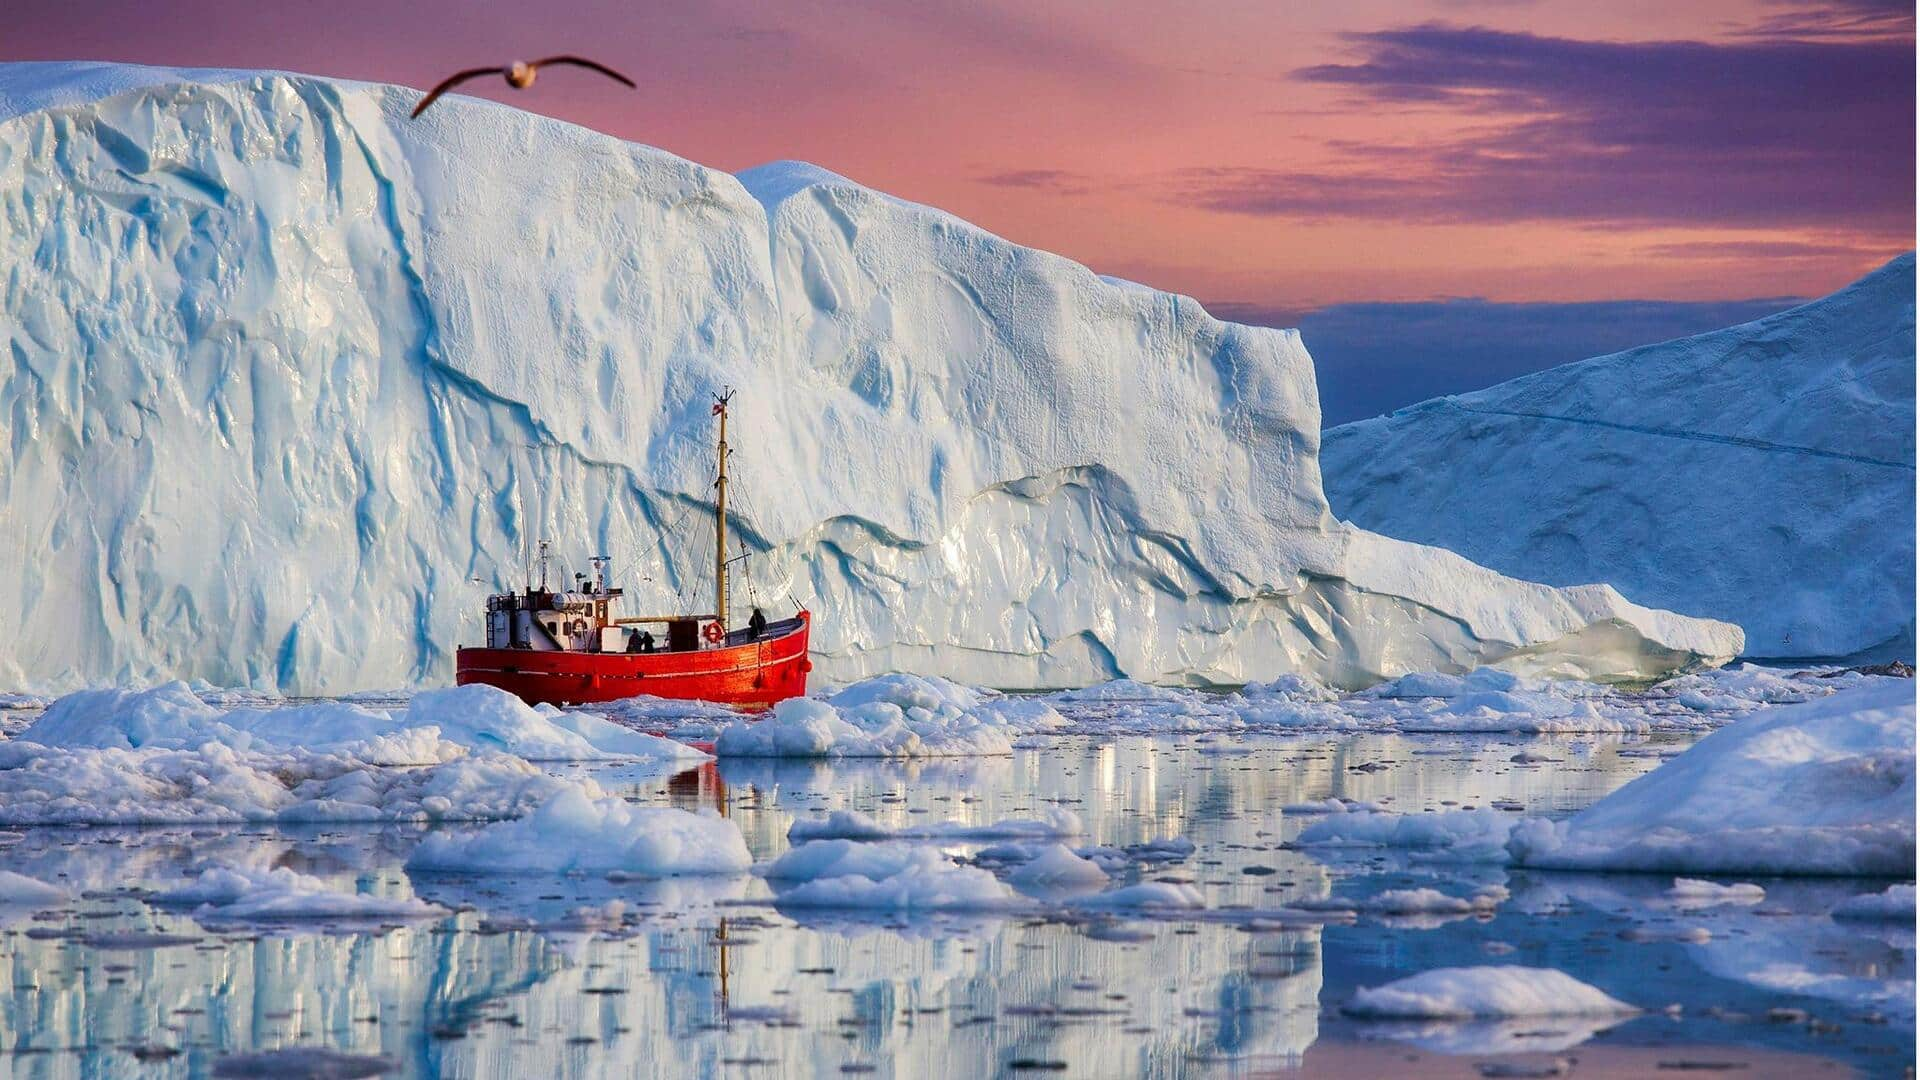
x: 720, y: 401
x: 544, y: 545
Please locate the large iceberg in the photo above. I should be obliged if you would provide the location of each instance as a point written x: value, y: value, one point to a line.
x: 293, y: 381
x: 1762, y: 474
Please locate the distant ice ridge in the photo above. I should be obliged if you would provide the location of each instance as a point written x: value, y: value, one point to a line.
x: 1762, y: 474
x: 289, y: 369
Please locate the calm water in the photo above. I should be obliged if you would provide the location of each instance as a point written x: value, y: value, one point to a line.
x: 706, y: 977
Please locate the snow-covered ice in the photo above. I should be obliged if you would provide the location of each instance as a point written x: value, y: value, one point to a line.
x: 333, y: 438
x: 435, y: 725
x: 42, y: 785
x: 1484, y: 993
x: 905, y: 877
x: 19, y: 890
x: 1894, y: 904
x: 1762, y: 474
x: 1695, y: 893
x: 1053, y: 822
x: 1058, y: 866
x: 1479, y: 835
x: 1823, y: 787
x: 890, y: 716
x: 281, y: 894
x: 575, y: 832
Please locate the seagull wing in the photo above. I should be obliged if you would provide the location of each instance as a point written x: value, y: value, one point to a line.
x: 581, y: 61
x: 452, y: 81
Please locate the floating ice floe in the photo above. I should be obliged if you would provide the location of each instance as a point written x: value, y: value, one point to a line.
x: 1486, y: 700
x: 900, y: 877
x: 1823, y: 787
x: 1054, y: 822
x: 575, y: 832
x: 19, y: 890
x: 891, y: 716
x: 435, y: 725
x: 1895, y: 904
x: 889, y: 877
x: 1694, y: 893
x: 1475, y: 835
x: 280, y: 894
x: 1484, y: 993
x: 1058, y: 867
x: 1433, y: 902
x: 42, y: 785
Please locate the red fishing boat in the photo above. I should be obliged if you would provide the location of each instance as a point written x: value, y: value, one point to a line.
x: 572, y: 646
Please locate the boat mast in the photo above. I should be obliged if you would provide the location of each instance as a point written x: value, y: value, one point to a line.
x: 720, y: 515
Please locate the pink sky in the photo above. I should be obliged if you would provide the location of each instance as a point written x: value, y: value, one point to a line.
x: 1281, y: 154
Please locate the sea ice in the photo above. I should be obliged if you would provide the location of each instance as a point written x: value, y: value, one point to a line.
x: 280, y: 894
x: 913, y: 877
x: 575, y: 832
x: 1895, y: 904
x: 1480, y: 993
x: 1477, y: 835
x: 1823, y: 787
x: 1693, y: 893
x: 41, y: 785
x: 1057, y: 866
x: 436, y: 725
x: 889, y: 716
x: 18, y: 890
x: 1053, y: 822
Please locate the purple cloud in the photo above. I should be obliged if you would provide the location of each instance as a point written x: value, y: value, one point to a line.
x: 1743, y: 133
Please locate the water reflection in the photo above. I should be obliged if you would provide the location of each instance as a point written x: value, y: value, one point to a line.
x: 586, y: 976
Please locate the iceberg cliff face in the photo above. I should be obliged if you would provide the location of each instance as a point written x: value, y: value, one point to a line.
x: 1762, y: 474
x: 288, y: 372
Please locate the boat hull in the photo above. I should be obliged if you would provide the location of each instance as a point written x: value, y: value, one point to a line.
x: 750, y: 674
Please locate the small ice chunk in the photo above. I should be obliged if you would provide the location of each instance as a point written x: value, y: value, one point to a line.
x: 1893, y: 905
x: 1471, y: 993
x: 574, y: 832
x: 1058, y: 867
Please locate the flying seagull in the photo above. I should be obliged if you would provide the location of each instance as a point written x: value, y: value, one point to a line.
x: 519, y: 75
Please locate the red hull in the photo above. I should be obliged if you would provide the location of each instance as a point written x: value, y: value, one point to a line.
x: 751, y: 674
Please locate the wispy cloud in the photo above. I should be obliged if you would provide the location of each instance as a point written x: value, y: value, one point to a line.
x: 1058, y: 181
x: 1742, y: 133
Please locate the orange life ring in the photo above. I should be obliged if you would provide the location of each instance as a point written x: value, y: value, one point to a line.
x: 714, y: 633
